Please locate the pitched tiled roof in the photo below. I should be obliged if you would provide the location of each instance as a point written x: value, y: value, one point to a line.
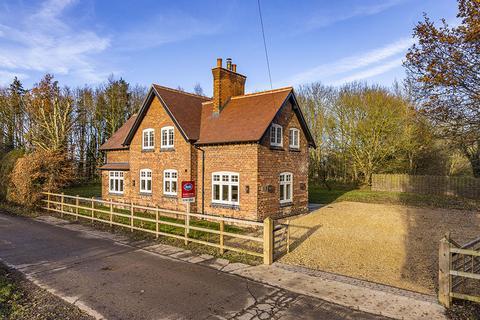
x: 123, y: 166
x: 244, y: 118
x: 115, y: 142
x: 185, y: 107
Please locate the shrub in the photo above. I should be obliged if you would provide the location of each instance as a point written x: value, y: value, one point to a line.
x: 37, y: 172
x: 7, y: 163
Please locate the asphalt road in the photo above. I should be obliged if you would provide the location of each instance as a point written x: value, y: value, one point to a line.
x: 117, y: 281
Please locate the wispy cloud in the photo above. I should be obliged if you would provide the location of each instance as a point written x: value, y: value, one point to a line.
x: 323, y: 19
x: 370, y: 72
x: 165, y: 28
x: 43, y: 41
x: 344, y: 67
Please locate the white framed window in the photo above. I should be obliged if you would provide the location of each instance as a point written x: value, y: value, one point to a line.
x: 170, y: 182
x: 148, y: 139
x: 286, y: 183
x: 276, y: 135
x: 167, y: 137
x: 226, y: 188
x: 115, y: 182
x: 146, y: 181
x: 294, y: 138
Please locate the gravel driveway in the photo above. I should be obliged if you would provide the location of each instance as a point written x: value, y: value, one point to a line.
x: 389, y: 244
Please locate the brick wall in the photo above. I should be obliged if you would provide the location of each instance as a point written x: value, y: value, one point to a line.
x: 257, y: 164
x: 272, y: 162
x: 157, y: 160
x: 239, y: 158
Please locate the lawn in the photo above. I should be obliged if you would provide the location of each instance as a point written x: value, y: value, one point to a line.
x: 390, y: 244
x: 321, y: 195
x: 93, y: 189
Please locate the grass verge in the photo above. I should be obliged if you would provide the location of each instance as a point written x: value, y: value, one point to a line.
x: 321, y: 195
x: 21, y: 299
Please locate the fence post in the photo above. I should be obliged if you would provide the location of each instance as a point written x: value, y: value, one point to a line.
x: 111, y: 213
x: 48, y: 200
x: 156, y: 223
x: 444, y: 278
x: 61, y: 206
x: 77, y: 204
x: 222, y: 239
x: 288, y: 236
x: 187, y: 223
x: 93, y: 207
x: 131, y: 216
x: 268, y: 241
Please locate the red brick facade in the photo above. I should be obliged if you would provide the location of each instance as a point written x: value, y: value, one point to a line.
x: 251, y: 166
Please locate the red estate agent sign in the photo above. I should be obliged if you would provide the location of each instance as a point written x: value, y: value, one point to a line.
x: 188, y: 190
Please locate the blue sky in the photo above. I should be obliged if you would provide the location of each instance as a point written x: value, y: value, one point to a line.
x: 176, y: 43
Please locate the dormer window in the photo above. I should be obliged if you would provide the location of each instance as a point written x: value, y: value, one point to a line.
x: 276, y: 135
x: 167, y: 137
x: 148, y: 139
x: 294, y: 137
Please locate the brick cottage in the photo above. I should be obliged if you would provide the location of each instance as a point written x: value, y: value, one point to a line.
x: 247, y: 153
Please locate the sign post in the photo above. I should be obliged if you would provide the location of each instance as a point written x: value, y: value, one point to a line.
x: 188, y: 196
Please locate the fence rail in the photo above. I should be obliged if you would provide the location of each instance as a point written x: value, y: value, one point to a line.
x: 458, y: 264
x: 152, y: 219
x: 437, y: 185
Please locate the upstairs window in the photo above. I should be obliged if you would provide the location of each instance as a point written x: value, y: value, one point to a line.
x: 146, y: 181
x: 225, y: 188
x: 286, y: 182
x: 294, y: 138
x: 167, y: 137
x: 148, y: 139
x: 115, y: 182
x: 276, y: 135
x: 170, y: 182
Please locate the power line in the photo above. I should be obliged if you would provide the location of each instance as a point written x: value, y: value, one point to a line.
x: 265, y: 45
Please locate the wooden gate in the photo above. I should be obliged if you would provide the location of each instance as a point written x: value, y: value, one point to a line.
x: 459, y: 271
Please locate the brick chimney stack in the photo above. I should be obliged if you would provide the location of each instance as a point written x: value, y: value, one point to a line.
x: 227, y: 83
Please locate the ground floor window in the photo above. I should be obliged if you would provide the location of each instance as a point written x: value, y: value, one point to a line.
x: 115, y: 182
x: 286, y: 180
x: 170, y: 182
x: 146, y: 181
x: 225, y: 188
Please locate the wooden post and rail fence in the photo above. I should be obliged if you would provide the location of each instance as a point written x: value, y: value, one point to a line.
x: 459, y: 271
x: 262, y: 238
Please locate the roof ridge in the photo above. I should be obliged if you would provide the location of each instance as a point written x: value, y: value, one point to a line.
x: 262, y: 92
x: 182, y: 92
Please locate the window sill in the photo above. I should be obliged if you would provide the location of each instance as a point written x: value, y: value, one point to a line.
x: 294, y: 149
x: 145, y: 194
x: 169, y: 149
x: 115, y: 194
x: 279, y: 148
x: 148, y: 150
x: 286, y: 204
x: 225, y: 206
x: 170, y: 196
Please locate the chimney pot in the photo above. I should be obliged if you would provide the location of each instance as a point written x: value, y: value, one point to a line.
x: 234, y: 67
x: 229, y: 64
x: 219, y: 62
